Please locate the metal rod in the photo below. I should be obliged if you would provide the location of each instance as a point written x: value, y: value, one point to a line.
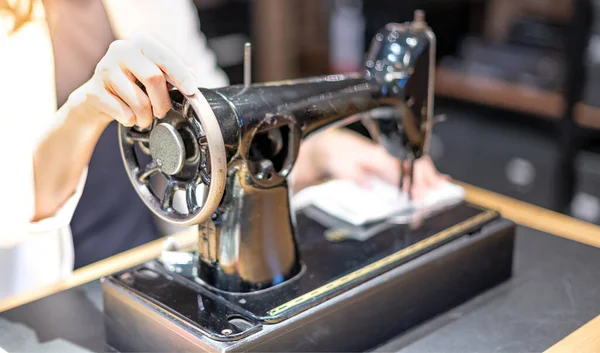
x: 419, y: 16
x: 247, y: 64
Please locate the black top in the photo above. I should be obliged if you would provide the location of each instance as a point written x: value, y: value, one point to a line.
x: 110, y: 217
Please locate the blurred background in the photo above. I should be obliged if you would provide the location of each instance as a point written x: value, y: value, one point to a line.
x: 519, y: 80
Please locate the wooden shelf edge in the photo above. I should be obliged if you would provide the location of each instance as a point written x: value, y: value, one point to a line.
x: 587, y: 116
x: 498, y: 93
x: 585, y: 339
x: 102, y: 268
x: 534, y: 217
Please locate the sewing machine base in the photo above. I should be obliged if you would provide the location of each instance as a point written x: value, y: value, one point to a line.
x: 350, y: 296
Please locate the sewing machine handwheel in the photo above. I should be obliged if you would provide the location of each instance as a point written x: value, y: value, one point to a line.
x: 187, y: 148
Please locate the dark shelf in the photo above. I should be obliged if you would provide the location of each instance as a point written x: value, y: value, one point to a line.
x: 498, y: 93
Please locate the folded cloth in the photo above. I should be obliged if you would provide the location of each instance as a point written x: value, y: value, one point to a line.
x: 359, y: 205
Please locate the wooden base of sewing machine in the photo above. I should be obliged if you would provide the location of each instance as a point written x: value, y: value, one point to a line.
x: 351, y: 295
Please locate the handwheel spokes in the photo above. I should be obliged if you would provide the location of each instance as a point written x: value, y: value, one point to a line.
x: 141, y: 137
x: 134, y: 136
x: 168, y: 201
x: 185, y: 110
x: 205, y: 162
x: 146, y: 172
x: 144, y: 148
x: 190, y: 197
x: 169, y: 195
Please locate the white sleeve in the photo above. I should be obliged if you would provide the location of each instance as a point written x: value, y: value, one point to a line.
x: 28, y: 113
x: 17, y: 204
x: 175, y: 24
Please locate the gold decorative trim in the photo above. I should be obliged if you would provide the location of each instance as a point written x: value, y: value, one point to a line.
x: 377, y: 265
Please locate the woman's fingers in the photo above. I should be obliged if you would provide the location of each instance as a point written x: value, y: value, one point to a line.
x: 121, y: 86
x: 433, y: 176
x: 406, y: 183
x: 154, y: 66
x: 113, y: 91
x: 97, y: 96
x: 362, y: 177
x: 418, y: 182
x: 418, y: 193
x: 153, y: 79
x: 177, y: 72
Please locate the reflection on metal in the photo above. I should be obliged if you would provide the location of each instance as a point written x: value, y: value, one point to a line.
x: 240, y: 143
x: 247, y: 64
x: 167, y: 148
x: 188, y: 149
x: 440, y: 237
x: 248, y: 242
x: 152, y: 308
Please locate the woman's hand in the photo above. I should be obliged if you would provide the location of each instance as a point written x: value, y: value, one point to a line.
x: 113, y: 91
x: 342, y: 154
x: 425, y: 178
x: 111, y: 94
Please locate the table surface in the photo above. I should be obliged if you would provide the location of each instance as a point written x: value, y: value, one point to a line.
x: 554, y: 292
x: 555, y: 289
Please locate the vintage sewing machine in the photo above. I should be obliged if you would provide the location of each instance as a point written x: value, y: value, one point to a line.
x: 267, y: 279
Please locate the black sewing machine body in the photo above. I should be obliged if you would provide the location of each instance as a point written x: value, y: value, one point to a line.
x: 265, y: 278
x: 349, y: 296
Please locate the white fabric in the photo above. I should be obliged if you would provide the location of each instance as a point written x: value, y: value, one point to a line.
x: 35, y: 254
x: 359, y: 205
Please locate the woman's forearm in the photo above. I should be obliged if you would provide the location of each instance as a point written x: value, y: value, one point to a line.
x: 113, y: 93
x: 61, y: 158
